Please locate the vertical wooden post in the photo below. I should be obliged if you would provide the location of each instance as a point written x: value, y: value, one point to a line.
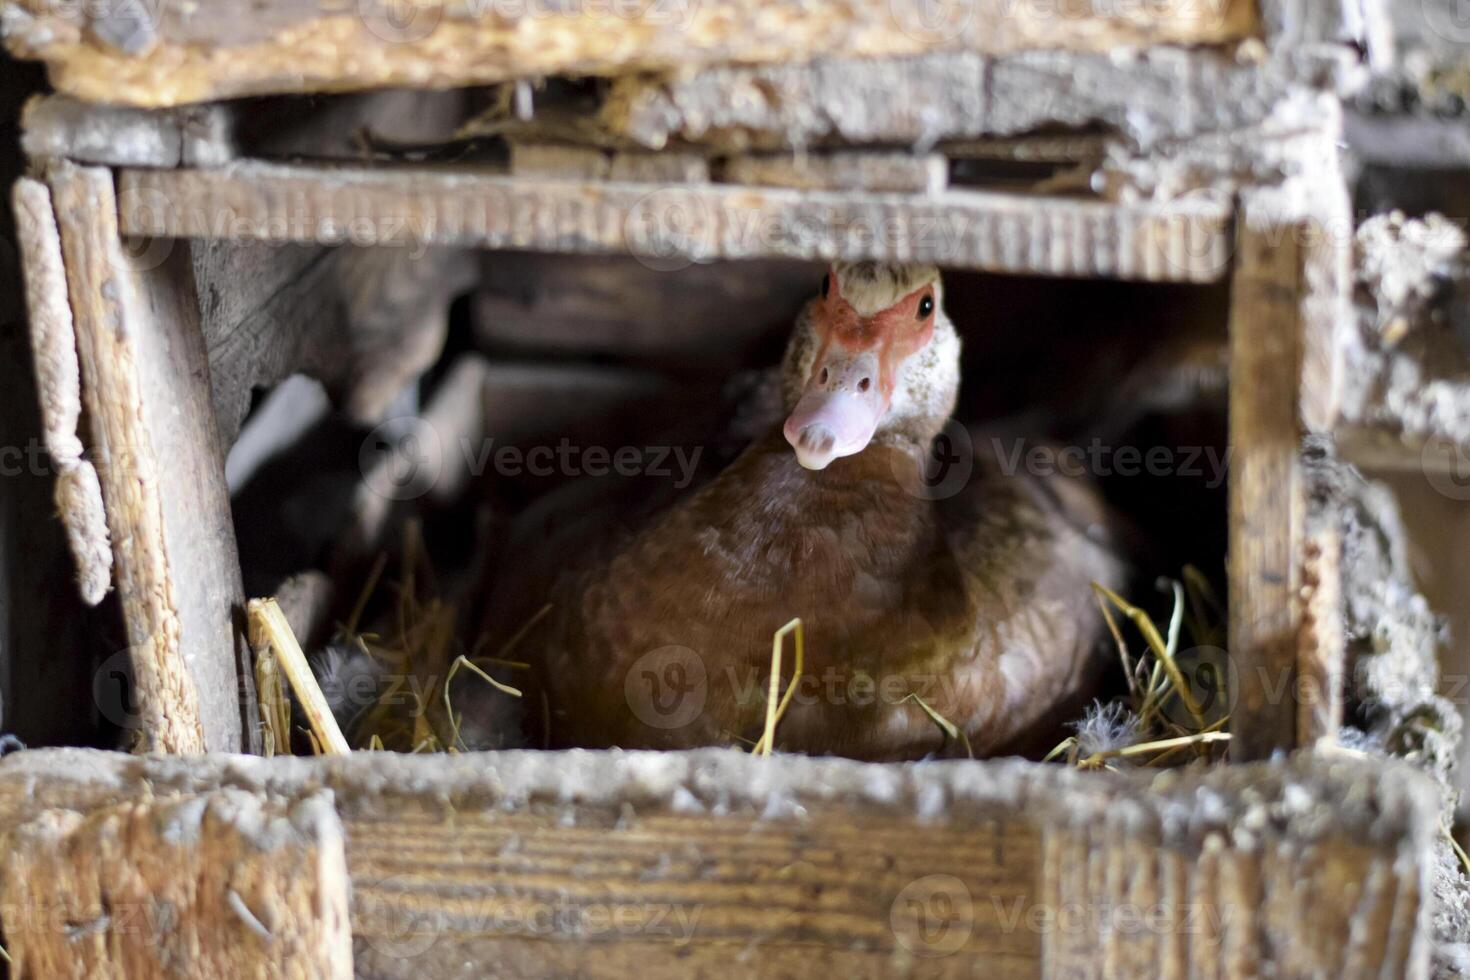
x: 1267, y: 501
x: 1289, y: 295
x: 146, y: 388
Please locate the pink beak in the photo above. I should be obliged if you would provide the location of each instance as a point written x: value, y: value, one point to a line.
x: 839, y: 411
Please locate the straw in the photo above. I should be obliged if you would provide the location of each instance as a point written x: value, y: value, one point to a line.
x: 269, y: 630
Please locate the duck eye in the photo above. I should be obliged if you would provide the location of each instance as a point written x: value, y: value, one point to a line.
x: 926, y: 306
x: 826, y: 285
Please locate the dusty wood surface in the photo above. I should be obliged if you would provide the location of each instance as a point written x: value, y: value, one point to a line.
x: 355, y: 127
x: 533, y: 863
x: 78, y: 491
x: 146, y: 388
x: 222, y: 883
x: 1267, y: 500
x: 1146, y: 96
x: 1405, y: 402
x: 171, y: 53
x: 672, y: 226
x: 59, y: 126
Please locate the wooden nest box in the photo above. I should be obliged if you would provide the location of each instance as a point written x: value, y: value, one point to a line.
x: 197, y: 227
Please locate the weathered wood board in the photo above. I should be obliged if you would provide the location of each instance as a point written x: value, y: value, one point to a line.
x: 1288, y: 300
x: 1148, y: 96
x: 145, y: 385
x: 1180, y: 241
x: 602, y: 863
x: 169, y: 53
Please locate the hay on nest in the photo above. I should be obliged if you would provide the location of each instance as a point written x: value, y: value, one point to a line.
x: 1163, y: 720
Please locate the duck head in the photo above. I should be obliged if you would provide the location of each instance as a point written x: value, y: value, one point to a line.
x: 873, y: 358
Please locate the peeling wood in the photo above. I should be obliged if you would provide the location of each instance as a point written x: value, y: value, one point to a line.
x: 169, y: 54
x: 78, y: 491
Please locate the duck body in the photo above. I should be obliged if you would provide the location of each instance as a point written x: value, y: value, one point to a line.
x: 977, y: 603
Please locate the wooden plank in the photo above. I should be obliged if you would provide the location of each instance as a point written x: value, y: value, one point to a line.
x: 216, y: 884
x: 146, y: 387
x: 1267, y: 497
x: 1164, y: 242
x: 601, y: 863
x: 172, y: 53
x: 59, y: 126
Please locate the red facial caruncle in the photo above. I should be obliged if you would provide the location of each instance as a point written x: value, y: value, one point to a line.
x: 855, y: 371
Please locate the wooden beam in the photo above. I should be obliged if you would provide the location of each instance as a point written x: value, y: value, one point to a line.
x: 603, y: 863
x: 59, y: 126
x: 1183, y: 241
x: 170, y: 53
x: 1267, y: 497
x: 145, y: 382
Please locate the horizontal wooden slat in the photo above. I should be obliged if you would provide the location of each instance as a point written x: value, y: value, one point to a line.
x: 668, y: 864
x: 672, y: 226
x: 171, y: 52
